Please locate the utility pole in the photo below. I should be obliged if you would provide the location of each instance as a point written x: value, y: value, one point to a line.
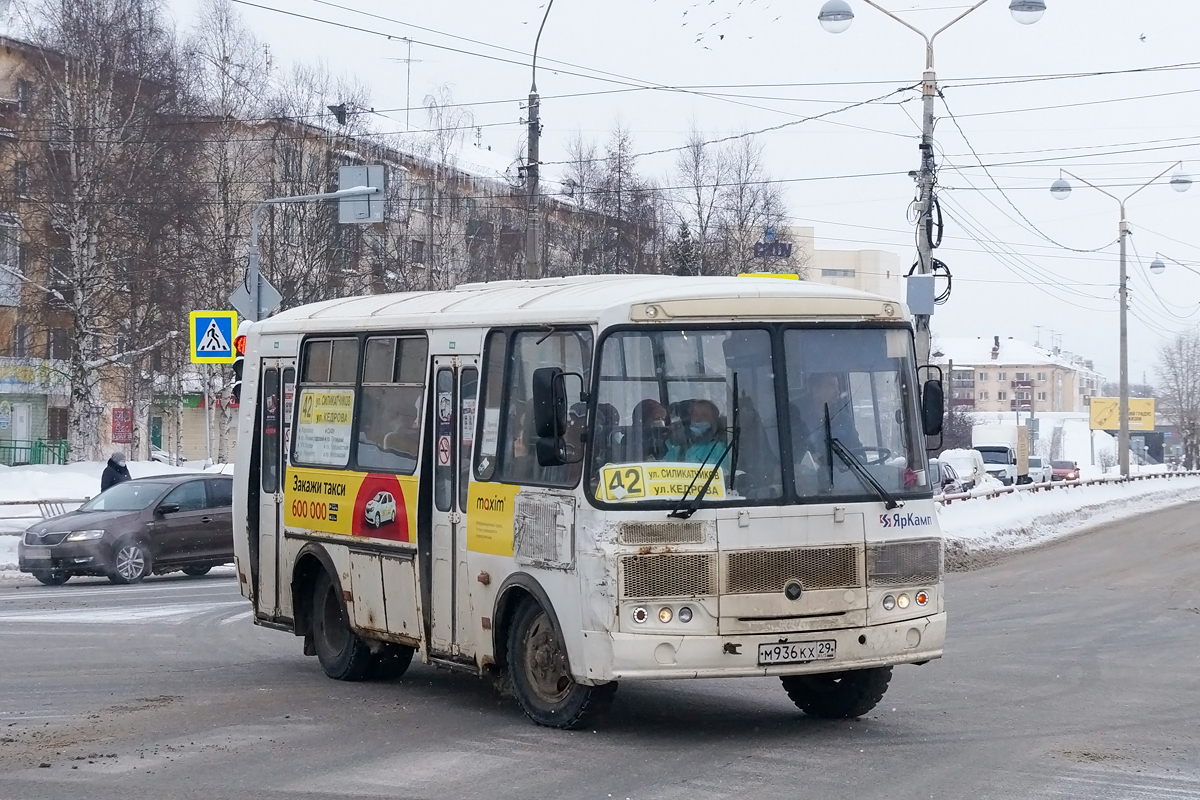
x: 1061, y: 190
x: 533, y: 267
x: 835, y: 17
x: 926, y: 179
x: 1123, y: 431
x: 533, y: 246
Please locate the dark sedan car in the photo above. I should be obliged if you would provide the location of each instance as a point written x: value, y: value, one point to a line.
x: 137, y: 528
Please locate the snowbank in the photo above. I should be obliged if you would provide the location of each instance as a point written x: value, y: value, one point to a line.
x: 979, y: 530
x: 61, y: 482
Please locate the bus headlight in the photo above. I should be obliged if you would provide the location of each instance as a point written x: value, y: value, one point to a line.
x: 902, y: 601
x: 685, y: 614
x: 664, y: 614
x: 889, y: 603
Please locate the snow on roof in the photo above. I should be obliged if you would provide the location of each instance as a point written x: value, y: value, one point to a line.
x: 1011, y: 353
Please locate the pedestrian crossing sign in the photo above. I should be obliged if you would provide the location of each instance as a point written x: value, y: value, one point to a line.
x: 212, y: 336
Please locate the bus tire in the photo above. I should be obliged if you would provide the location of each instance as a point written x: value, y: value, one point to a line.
x: 343, y: 655
x: 541, y: 675
x: 390, y: 662
x: 838, y: 695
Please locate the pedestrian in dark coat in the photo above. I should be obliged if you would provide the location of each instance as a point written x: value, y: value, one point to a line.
x: 115, y: 471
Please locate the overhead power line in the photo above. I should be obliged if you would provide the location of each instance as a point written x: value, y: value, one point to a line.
x: 1030, y: 223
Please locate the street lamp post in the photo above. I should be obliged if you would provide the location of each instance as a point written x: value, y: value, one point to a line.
x: 835, y: 17
x: 1061, y: 190
x: 533, y: 244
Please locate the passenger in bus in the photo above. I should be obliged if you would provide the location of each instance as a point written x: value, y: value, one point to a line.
x: 405, y: 436
x: 699, y: 435
x: 647, y: 437
x: 521, y: 458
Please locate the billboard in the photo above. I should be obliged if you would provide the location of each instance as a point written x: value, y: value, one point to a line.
x: 1106, y: 413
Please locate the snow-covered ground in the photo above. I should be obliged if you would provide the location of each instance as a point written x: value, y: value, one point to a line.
x: 978, y: 530
x: 70, y: 482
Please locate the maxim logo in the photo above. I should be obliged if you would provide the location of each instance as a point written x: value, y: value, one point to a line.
x: 489, y: 504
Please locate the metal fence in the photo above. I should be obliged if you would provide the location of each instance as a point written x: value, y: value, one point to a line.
x: 37, y: 509
x: 990, y: 492
x: 18, y: 452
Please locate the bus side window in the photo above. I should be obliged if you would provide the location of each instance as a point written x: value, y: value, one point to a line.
x: 571, y: 351
x: 488, y: 436
x: 389, y: 420
x: 469, y: 387
x: 270, y: 430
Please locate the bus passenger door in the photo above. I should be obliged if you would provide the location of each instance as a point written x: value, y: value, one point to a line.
x: 453, y: 408
x: 277, y: 388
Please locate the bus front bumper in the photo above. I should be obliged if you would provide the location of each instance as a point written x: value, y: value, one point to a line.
x: 630, y: 656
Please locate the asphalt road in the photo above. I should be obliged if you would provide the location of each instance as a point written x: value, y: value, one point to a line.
x: 1071, y: 672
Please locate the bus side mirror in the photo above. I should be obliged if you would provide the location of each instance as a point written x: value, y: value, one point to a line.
x: 550, y: 407
x: 549, y: 403
x: 933, y: 407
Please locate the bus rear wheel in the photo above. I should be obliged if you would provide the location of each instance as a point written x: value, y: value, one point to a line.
x: 838, y: 695
x: 343, y: 655
x: 541, y: 675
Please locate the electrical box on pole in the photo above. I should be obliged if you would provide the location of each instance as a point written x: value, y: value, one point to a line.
x: 367, y: 208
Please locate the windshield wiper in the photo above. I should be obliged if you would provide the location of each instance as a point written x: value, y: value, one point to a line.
x: 680, y: 512
x: 834, y: 445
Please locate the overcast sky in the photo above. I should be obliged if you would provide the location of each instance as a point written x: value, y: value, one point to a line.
x: 762, y: 63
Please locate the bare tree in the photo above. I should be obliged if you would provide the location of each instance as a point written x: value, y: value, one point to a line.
x: 1179, y: 382
x: 307, y: 255
x: 702, y: 172
x: 729, y: 200
x: 108, y: 85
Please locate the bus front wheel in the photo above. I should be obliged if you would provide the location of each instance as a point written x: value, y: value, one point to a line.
x: 343, y: 655
x: 838, y: 695
x: 541, y: 675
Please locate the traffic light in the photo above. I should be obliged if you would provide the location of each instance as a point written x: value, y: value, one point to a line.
x: 239, y: 347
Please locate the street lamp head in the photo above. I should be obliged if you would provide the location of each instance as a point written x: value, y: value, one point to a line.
x: 1181, y: 181
x: 1027, y: 12
x: 1060, y: 189
x: 1157, y: 266
x: 836, y: 16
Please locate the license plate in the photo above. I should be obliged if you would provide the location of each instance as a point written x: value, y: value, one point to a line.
x: 796, y: 652
x: 37, y: 553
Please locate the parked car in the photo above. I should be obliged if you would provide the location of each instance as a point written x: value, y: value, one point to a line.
x: 945, y: 477
x: 163, y: 457
x: 968, y: 464
x: 1039, y: 470
x: 134, y: 529
x: 1064, y: 471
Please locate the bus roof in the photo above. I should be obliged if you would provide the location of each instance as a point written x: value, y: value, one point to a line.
x: 604, y: 299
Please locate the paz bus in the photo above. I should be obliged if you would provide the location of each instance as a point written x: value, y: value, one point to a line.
x: 573, y: 482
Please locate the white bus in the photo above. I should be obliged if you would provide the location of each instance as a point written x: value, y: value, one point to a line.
x: 572, y: 482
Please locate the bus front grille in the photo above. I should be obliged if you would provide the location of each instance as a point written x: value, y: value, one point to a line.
x: 668, y: 575
x: 766, y: 571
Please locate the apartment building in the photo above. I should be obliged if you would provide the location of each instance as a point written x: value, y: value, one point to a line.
x: 1006, y: 374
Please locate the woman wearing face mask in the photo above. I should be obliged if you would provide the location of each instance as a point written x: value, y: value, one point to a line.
x: 704, y: 438
x: 115, y: 471
x: 648, y: 432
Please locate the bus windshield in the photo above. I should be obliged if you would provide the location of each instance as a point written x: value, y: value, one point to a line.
x: 833, y: 421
